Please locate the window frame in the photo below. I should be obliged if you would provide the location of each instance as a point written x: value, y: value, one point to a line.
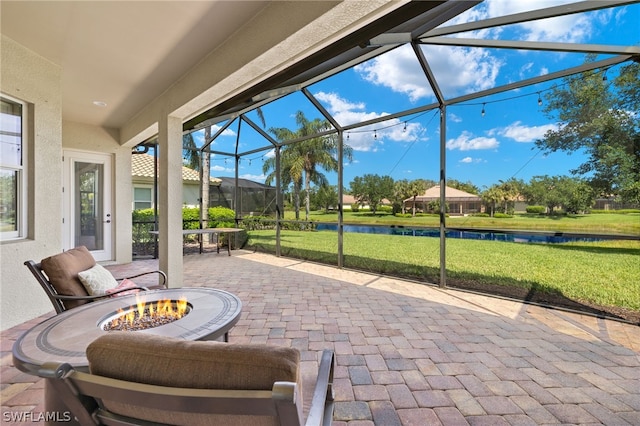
x: 134, y: 200
x: 21, y: 171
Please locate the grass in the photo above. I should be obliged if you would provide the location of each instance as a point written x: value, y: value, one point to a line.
x: 628, y: 224
x: 600, y: 273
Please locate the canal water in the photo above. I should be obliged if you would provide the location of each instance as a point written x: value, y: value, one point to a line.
x: 469, y: 235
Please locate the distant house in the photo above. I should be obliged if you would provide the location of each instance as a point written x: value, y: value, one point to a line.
x: 255, y: 198
x: 349, y: 200
x: 612, y: 203
x: 459, y: 202
x: 143, y: 182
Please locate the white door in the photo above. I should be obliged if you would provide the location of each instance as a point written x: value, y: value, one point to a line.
x: 87, y: 203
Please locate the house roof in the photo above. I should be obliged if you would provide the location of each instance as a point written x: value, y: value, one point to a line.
x: 451, y: 194
x: 242, y: 183
x: 142, y: 166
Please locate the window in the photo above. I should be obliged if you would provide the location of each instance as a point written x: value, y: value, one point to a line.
x: 12, y: 173
x: 142, y: 198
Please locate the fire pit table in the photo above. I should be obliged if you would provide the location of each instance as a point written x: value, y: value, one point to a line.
x: 211, y: 313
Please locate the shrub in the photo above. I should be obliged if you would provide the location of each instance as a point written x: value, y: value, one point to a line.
x: 355, y: 207
x: 403, y: 215
x: 254, y: 223
x: 498, y: 215
x: 536, y: 209
x: 190, y: 218
x: 621, y: 211
x: 221, y: 217
x: 481, y: 215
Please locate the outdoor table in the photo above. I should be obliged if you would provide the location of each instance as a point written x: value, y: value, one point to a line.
x: 212, y: 231
x: 65, y: 337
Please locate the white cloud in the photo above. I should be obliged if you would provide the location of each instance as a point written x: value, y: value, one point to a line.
x: 255, y: 178
x: 457, y: 69
x: 215, y: 168
x: 520, y: 133
x: 463, y: 70
x: 565, y: 29
x: 270, y: 154
x: 466, y: 142
x: 454, y: 118
x: 471, y: 160
x: 226, y: 132
x: 368, y: 138
x: 399, y: 70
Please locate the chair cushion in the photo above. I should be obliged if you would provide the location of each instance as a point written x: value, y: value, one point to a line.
x: 124, y: 284
x: 97, y: 280
x: 62, y: 270
x: 147, y: 358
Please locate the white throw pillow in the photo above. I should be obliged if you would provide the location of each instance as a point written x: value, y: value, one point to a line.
x: 97, y: 280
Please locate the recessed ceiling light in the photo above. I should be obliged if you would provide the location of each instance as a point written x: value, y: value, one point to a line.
x: 100, y: 103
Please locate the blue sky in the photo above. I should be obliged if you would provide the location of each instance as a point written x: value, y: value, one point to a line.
x: 480, y: 149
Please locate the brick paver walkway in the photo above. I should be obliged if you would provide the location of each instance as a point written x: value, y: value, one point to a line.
x: 412, y: 354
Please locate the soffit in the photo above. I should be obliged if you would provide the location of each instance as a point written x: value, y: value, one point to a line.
x: 124, y: 53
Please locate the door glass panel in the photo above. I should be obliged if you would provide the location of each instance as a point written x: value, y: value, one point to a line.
x: 89, y: 209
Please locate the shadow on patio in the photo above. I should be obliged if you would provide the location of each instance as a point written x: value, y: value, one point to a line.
x: 411, y: 354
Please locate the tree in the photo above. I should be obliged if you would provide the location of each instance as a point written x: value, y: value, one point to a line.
x: 509, y: 191
x: 372, y: 189
x: 197, y: 160
x: 302, y: 160
x: 326, y: 196
x: 463, y: 186
x: 492, y: 196
x: 601, y: 118
x: 417, y: 187
x: 190, y: 152
x: 571, y: 194
x: 401, y: 191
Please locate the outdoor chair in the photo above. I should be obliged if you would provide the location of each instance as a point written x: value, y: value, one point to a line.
x: 73, y: 278
x: 145, y: 379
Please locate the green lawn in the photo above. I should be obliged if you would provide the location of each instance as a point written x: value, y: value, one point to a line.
x: 628, y: 224
x: 603, y: 273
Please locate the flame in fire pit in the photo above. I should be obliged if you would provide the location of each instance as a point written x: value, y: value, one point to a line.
x: 145, y: 315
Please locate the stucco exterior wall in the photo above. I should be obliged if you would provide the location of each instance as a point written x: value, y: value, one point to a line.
x: 32, y: 79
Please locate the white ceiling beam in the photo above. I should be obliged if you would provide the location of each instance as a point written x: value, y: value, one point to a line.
x: 533, y: 45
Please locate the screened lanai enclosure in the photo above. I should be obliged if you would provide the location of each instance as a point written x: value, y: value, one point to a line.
x: 452, y: 92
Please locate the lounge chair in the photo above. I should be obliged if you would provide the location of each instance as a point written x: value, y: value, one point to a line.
x: 145, y: 379
x: 68, y: 277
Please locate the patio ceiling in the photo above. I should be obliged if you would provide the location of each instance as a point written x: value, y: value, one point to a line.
x: 121, y: 52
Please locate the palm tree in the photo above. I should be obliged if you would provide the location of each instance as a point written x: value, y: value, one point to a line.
x: 300, y: 162
x: 400, y: 193
x: 417, y: 187
x: 197, y: 160
x: 190, y: 152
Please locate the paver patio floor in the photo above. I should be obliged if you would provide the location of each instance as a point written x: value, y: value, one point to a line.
x: 408, y: 353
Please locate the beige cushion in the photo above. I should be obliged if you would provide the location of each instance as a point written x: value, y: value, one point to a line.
x: 97, y: 280
x: 147, y: 358
x: 62, y: 270
x: 124, y: 284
